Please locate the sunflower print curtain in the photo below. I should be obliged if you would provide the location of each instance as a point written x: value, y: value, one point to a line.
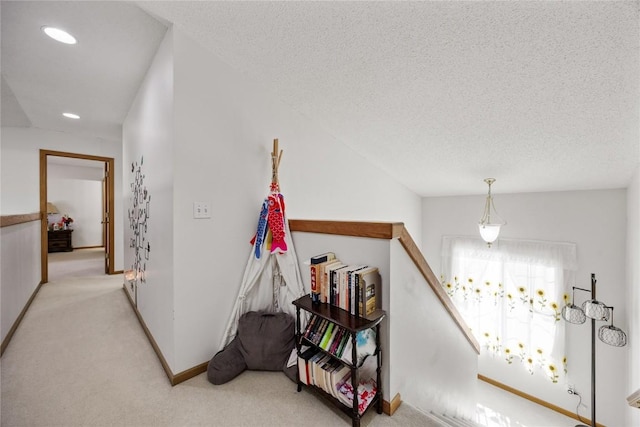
x: 511, y: 295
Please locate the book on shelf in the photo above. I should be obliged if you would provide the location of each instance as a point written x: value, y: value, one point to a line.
x: 322, y: 365
x: 336, y: 330
x: 349, y: 288
x: 310, y: 326
x: 303, y: 363
x: 334, y: 284
x: 327, y: 256
x: 345, y: 286
x: 329, y: 369
x: 317, y: 273
x: 330, y: 277
x: 367, y: 390
x: 327, y: 335
x: 324, y: 280
x: 313, y: 360
x: 369, y: 284
x: 324, y: 325
x: 315, y: 330
x: 339, y: 376
x: 335, y: 342
x: 367, y: 387
x: 357, y: 285
x: 346, y: 337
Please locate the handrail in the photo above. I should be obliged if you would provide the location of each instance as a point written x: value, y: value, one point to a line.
x: 390, y: 230
x: 7, y: 220
x: 376, y: 230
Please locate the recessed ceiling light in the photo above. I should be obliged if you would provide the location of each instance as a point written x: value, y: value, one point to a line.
x: 71, y: 115
x: 59, y: 35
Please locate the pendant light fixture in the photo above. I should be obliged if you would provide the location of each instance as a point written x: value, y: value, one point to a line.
x: 490, y: 222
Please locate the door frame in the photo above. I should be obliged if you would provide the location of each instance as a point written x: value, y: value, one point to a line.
x: 44, y: 237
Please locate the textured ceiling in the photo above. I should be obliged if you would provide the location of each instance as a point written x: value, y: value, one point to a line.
x: 543, y: 96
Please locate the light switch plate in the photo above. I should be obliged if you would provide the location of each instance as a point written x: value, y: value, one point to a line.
x: 201, y: 210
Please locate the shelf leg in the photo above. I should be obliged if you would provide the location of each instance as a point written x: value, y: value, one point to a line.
x: 379, y: 370
x: 298, y: 333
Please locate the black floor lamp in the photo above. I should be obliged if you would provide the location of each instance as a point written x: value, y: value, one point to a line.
x: 608, y: 334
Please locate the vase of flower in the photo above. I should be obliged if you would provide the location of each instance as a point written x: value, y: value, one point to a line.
x: 66, y: 222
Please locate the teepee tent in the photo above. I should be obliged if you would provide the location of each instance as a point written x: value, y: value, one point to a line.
x: 271, y: 280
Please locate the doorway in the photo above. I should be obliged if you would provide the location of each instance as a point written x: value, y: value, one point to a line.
x: 107, y: 208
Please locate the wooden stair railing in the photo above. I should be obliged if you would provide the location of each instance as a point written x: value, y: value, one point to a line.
x: 8, y: 220
x: 390, y: 230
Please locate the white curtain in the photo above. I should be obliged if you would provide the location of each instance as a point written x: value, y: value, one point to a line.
x: 512, y: 295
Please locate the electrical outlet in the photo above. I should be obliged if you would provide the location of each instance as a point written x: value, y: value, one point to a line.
x: 572, y: 390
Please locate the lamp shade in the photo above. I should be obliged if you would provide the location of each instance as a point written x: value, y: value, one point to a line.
x: 573, y: 314
x: 51, y: 208
x: 489, y: 232
x: 611, y: 335
x: 594, y: 309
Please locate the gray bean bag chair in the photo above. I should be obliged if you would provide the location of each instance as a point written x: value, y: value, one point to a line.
x: 263, y: 342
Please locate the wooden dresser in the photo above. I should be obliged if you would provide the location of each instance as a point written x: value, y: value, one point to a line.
x: 60, y: 241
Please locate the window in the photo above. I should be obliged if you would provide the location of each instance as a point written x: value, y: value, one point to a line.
x: 511, y: 295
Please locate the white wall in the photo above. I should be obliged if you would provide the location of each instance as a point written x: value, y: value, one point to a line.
x: 148, y: 144
x: 19, y: 269
x: 633, y: 293
x: 222, y: 128
x: 434, y: 367
x: 596, y: 222
x: 80, y: 198
x: 20, y: 171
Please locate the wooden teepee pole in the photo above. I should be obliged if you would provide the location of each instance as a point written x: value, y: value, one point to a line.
x: 276, y: 156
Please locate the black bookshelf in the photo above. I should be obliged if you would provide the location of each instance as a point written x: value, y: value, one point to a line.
x: 352, y: 324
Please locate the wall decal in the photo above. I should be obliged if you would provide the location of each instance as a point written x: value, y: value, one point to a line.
x: 138, y: 222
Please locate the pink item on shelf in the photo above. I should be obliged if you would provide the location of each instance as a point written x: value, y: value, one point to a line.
x: 367, y: 390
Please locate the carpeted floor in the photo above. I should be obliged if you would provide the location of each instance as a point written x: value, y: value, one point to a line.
x: 80, y: 358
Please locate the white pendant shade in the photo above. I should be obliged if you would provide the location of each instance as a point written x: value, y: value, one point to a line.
x: 489, y: 232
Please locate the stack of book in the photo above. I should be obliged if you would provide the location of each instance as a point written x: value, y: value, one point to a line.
x: 337, y: 340
x: 323, y: 371
x: 318, y: 369
x: 354, y: 288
